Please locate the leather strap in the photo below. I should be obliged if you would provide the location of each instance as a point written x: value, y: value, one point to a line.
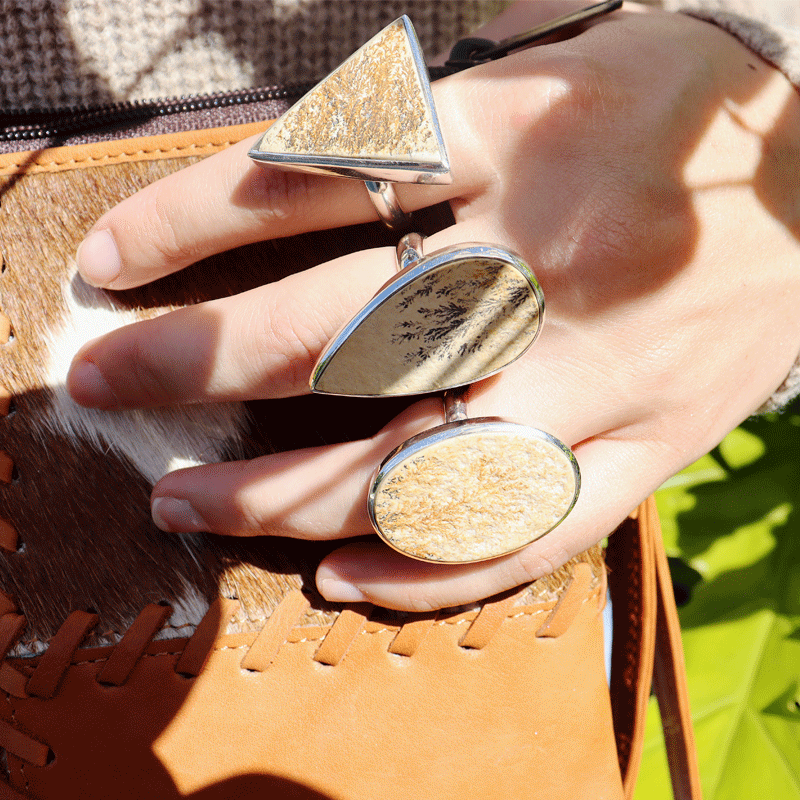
x: 648, y: 653
x: 631, y: 578
x: 669, y: 677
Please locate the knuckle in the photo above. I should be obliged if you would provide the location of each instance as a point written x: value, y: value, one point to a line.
x: 278, y: 194
x: 419, y: 600
x: 587, y: 92
x: 145, y: 372
x: 171, y: 244
x: 244, y: 502
x: 535, y: 561
x: 286, y: 335
x: 248, y: 517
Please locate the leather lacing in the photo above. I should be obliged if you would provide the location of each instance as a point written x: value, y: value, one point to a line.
x: 44, y: 677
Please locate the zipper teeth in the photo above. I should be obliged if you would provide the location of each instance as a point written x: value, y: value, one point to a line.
x: 42, y: 124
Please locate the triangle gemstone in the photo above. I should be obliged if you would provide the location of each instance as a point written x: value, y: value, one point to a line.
x: 372, y: 118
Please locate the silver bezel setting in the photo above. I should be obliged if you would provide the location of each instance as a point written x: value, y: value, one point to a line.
x: 451, y: 430
x: 383, y: 169
x: 406, y: 276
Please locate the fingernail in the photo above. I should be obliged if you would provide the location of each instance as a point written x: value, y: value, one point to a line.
x: 338, y: 591
x: 175, y: 515
x: 98, y: 259
x: 88, y: 387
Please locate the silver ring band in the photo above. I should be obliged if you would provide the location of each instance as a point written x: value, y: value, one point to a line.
x: 387, y: 205
x: 409, y: 250
x: 455, y: 404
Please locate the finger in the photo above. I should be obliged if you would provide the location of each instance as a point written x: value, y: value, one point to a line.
x: 616, y: 477
x: 227, y: 200
x: 261, y: 343
x: 317, y: 493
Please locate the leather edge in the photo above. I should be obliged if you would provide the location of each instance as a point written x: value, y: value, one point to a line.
x: 146, y: 148
x: 669, y: 680
x: 632, y: 582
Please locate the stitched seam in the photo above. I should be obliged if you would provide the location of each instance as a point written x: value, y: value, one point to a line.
x: 144, y: 655
x: 14, y: 723
x: 456, y: 622
x: 4, y: 342
x: 93, y: 160
x: 529, y: 611
x: 307, y: 639
x: 171, y: 627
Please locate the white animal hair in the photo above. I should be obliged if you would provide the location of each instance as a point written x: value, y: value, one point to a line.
x: 155, y: 441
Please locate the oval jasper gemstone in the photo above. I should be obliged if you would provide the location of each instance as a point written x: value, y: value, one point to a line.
x: 473, y: 490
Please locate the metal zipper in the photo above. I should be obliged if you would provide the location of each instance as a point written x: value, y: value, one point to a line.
x: 93, y: 121
x: 33, y: 124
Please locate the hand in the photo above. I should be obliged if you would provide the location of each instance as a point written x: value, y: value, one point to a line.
x: 645, y: 169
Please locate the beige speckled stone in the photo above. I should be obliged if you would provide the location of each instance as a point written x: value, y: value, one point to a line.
x: 475, y: 497
x: 373, y: 107
x: 449, y: 327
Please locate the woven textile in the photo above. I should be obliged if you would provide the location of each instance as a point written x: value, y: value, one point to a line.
x: 56, y: 53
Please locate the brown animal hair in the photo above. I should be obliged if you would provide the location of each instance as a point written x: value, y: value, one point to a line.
x: 76, y: 530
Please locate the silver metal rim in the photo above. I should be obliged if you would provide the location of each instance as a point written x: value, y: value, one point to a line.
x: 358, y: 169
x: 452, y: 430
x: 384, y: 198
x: 410, y: 273
x: 379, y: 169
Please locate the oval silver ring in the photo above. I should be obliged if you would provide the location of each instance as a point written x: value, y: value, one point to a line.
x: 472, y: 490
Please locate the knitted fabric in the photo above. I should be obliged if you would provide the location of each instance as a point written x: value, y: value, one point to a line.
x: 57, y: 53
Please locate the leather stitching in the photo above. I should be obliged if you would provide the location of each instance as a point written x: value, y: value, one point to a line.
x: 341, y: 635
x: 22, y: 745
x: 9, y: 540
x: 55, y: 661
x: 349, y: 625
x: 92, y: 161
x: 528, y: 611
x: 12, y: 681
x: 9, y: 793
x: 201, y: 642
x: 129, y: 649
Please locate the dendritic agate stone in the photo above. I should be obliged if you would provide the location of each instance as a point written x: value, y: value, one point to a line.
x: 475, y: 496
x: 449, y: 326
x: 375, y: 108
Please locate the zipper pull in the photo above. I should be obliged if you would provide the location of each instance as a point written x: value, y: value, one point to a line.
x: 472, y: 51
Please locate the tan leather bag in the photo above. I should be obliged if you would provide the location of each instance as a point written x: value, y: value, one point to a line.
x: 276, y: 693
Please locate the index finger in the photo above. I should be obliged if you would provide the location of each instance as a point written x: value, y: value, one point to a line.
x: 227, y: 200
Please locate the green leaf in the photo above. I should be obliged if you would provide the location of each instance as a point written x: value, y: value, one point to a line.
x: 734, y: 518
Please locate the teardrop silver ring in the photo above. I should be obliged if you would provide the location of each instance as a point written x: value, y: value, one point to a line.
x: 447, y: 319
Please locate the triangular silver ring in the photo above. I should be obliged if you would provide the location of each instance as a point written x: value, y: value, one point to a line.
x: 373, y: 118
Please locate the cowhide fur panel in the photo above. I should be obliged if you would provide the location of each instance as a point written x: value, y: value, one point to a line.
x: 79, y: 495
x: 79, y: 499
